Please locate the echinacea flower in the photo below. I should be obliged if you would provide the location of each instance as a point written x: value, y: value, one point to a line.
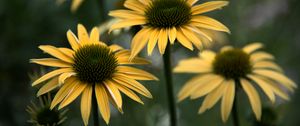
x: 42, y: 115
x: 165, y: 21
x: 221, y: 74
x: 90, y: 66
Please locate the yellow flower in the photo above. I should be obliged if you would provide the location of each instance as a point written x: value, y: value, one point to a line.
x: 230, y: 69
x: 167, y: 20
x: 42, y: 115
x: 74, y: 5
x: 90, y: 66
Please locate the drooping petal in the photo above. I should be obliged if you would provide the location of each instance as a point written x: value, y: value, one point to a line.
x: 193, y: 65
x: 264, y: 86
x: 210, y: 22
x: 154, y: 34
x: 207, y: 87
x: 183, y: 40
x: 114, y: 93
x: 267, y: 65
x: 260, y: 56
x: 139, y: 41
x: 227, y: 101
x: 103, y: 102
x: 86, y: 104
x: 252, y: 47
x: 162, y: 40
x: 134, y: 71
x: 172, y: 34
x: 187, y: 31
x: 208, y: 6
x: 128, y: 92
x: 73, y: 94
x: 52, y: 84
x: 64, y: 76
x: 51, y: 74
x: 51, y: 62
x: 253, y: 97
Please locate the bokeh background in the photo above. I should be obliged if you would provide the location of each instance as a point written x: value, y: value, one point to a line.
x: 25, y: 24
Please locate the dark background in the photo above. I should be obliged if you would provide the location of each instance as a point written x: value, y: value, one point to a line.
x: 25, y: 24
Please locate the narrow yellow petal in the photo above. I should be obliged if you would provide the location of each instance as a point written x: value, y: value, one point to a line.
x: 207, y: 87
x: 64, y: 76
x: 128, y: 93
x: 75, y: 5
x: 207, y: 55
x: 193, y: 65
x: 127, y: 23
x: 139, y: 41
x: 277, y: 89
x: 152, y: 40
x: 183, y: 40
x: 72, y: 40
x: 135, y: 5
x: 86, y: 103
x: 51, y: 74
x: 51, y: 62
x: 73, y: 94
x: 172, y: 34
x: 209, y: 26
x: 115, y: 47
x: 135, y: 60
x: 191, y: 2
x: 114, y: 93
x: 208, y: 6
x: 133, y: 85
x: 212, y: 98
x: 53, y: 51
x: 209, y: 22
x: 191, y: 86
x: 146, y: 2
x: 264, y: 86
x: 226, y: 48
x: 95, y: 36
x: 227, y: 101
x: 103, y: 102
x: 253, y: 97
x: 260, y: 56
x: 203, y: 34
x: 162, y: 40
x: 134, y: 71
x: 191, y: 36
x: 68, y: 52
x: 63, y: 92
x: 126, y: 14
x: 279, y: 77
x: 252, y: 47
x: 82, y: 35
x: 49, y: 86
x: 267, y: 65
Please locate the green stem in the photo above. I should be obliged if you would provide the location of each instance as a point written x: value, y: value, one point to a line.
x: 235, y: 114
x: 95, y: 109
x: 168, y: 77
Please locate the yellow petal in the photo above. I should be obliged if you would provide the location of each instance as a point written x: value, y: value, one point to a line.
x: 86, y: 103
x: 191, y: 2
x: 267, y: 65
x: 226, y: 48
x: 51, y: 74
x: 126, y: 14
x: 52, y: 84
x: 213, y: 97
x: 135, y: 5
x: 207, y: 55
x: 172, y: 34
x: 264, y: 86
x: 282, y: 79
x: 145, y: 2
x: 73, y: 94
x: 103, y: 103
x: 114, y: 93
x: 187, y: 31
x: 64, y: 76
x: 193, y: 65
x: 75, y: 5
x: 162, y: 40
x: 133, y: 85
x: 127, y: 23
x: 253, y: 97
x: 227, y: 101
x: 208, y: 6
x: 95, y: 36
x: 191, y: 86
x: 82, y: 35
x: 252, y: 47
x: 68, y: 52
x: 259, y: 56
x: 210, y: 23
x: 203, y: 34
x: 72, y: 40
x: 139, y: 41
x: 128, y: 93
x: 135, y: 60
x: 63, y: 92
x: 183, y: 40
x: 152, y: 40
x: 207, y: 87
x: 115, y: 47
x: 209, y: 26
x: 53, y: 51
x: 134, y: 71
x: 51, y: 62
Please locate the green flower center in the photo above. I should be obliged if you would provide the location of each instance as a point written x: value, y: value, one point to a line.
x: 48, y: 117
x: 232, y: 64
x: 94, y: 63
x: 168, y: 13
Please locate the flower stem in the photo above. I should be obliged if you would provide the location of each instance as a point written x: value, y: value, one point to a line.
x: 168, y: 77
x: 95, y: 109
x: 235, y: 114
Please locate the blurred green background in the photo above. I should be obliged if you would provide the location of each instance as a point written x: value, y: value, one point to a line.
x: 25, y: 24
